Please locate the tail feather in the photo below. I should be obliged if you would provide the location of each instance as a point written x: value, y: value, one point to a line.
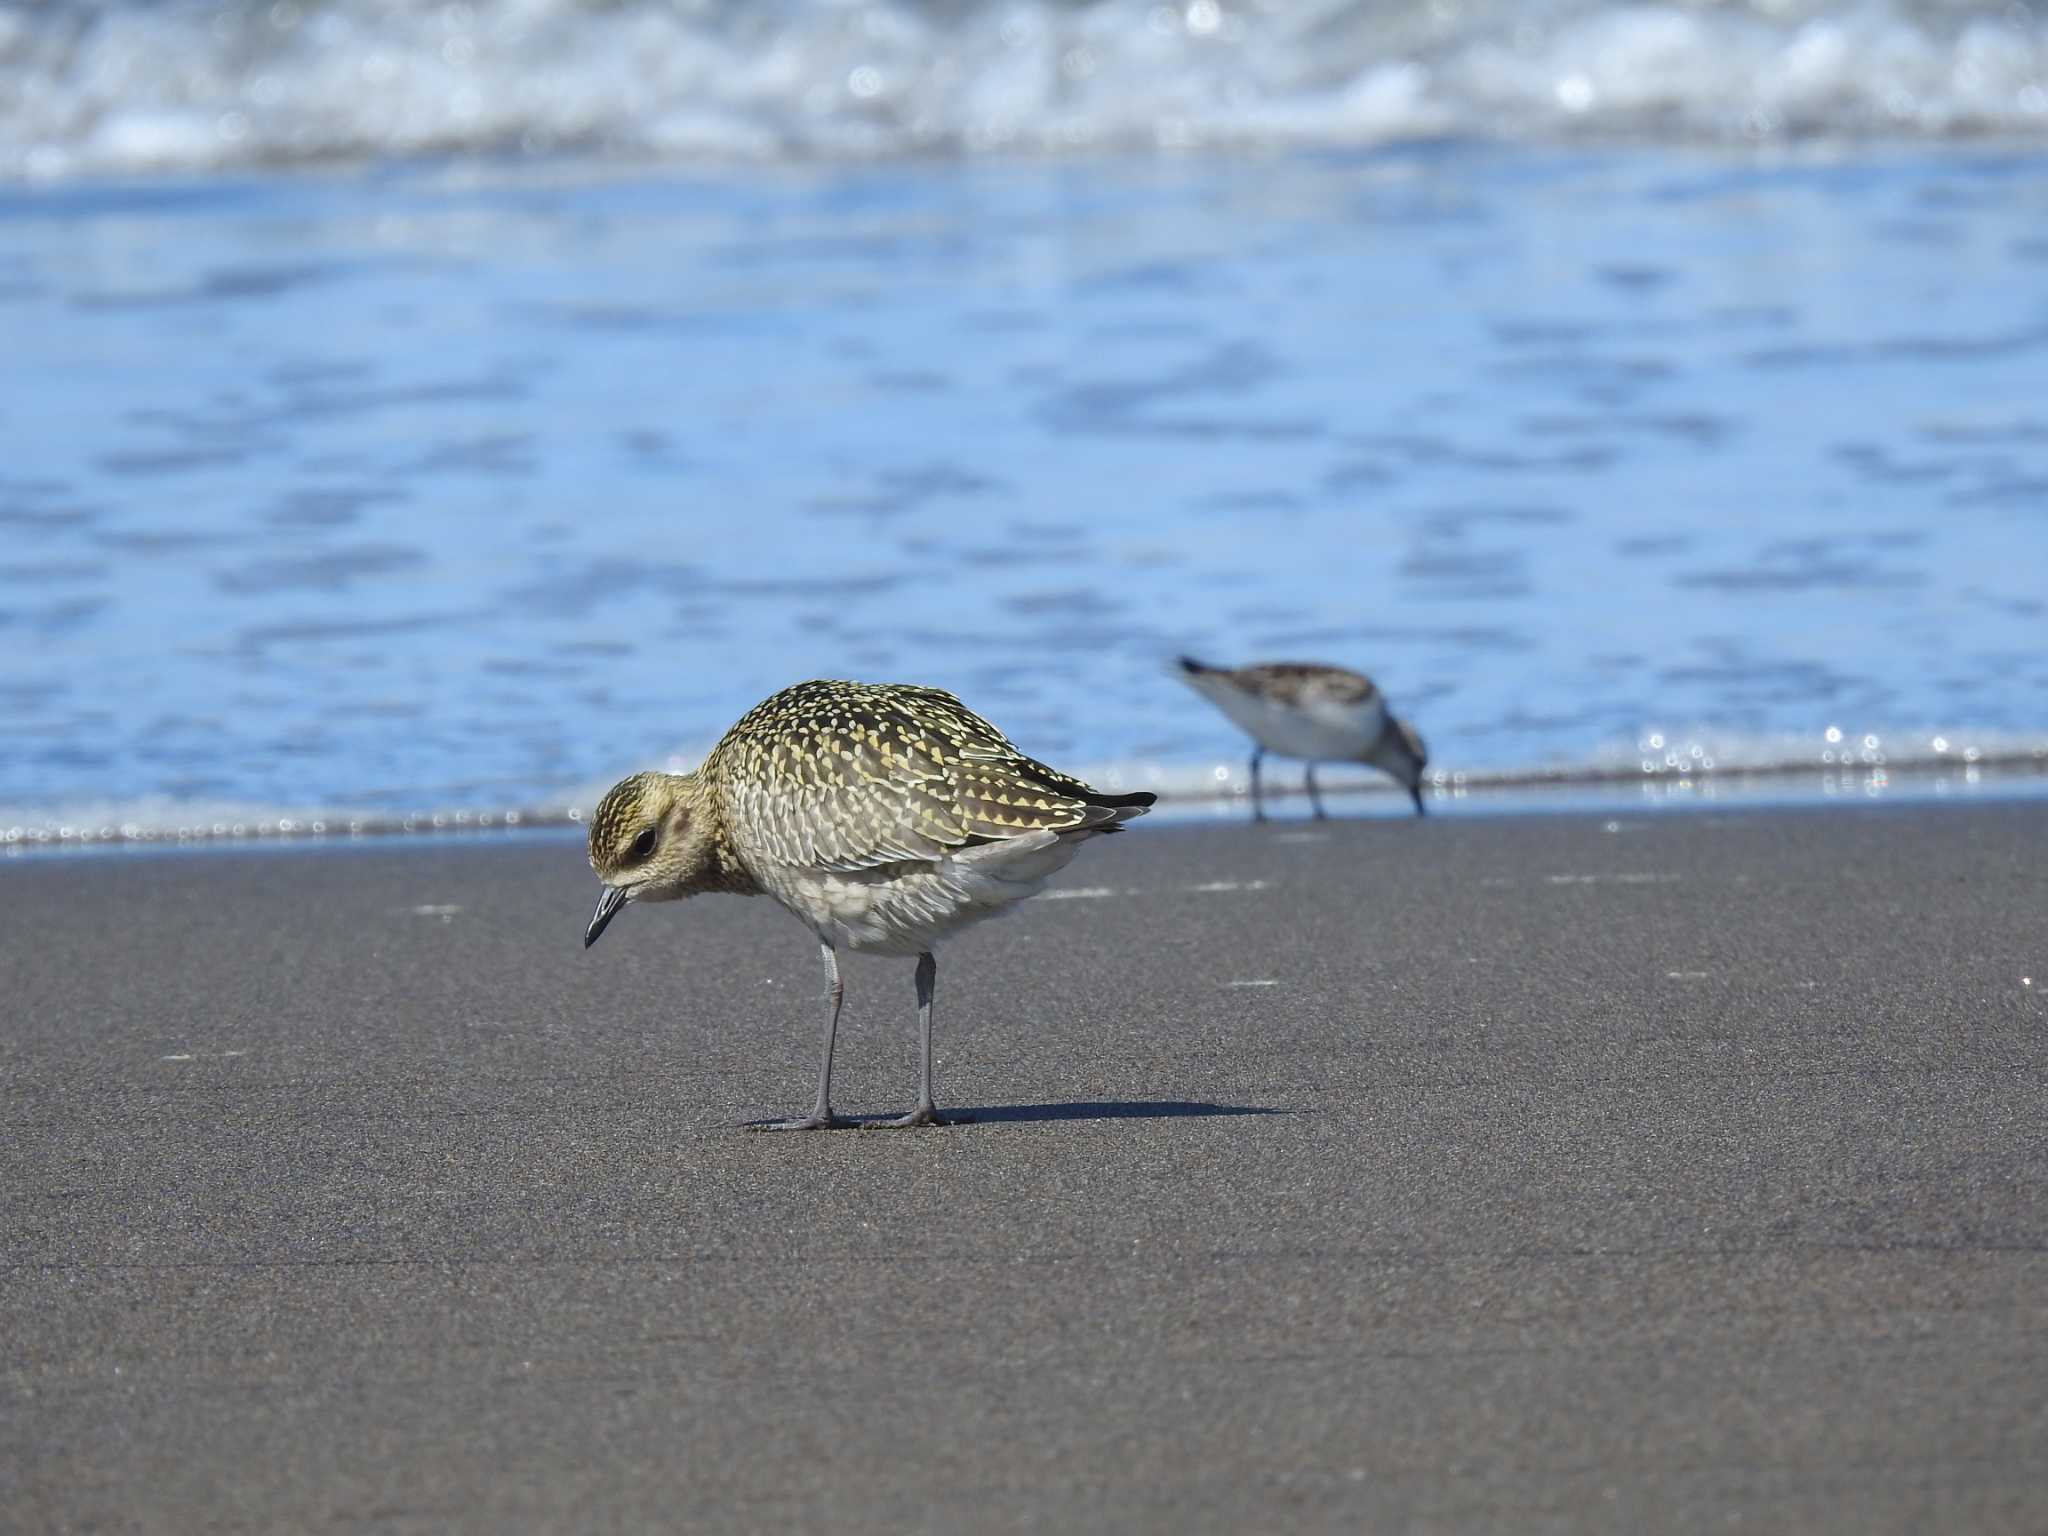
x: 1195, y: 668
x: 1137, y: 800
x: 1069, y: 787
x: 1108, y: 813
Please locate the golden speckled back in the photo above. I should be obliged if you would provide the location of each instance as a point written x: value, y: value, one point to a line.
x: 842, y: 775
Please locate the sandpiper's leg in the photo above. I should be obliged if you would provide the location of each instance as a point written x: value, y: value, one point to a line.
x: 821, y: 1117
x: 1315, y: 799
x: 926, y: 1113
x: 1258, y: 805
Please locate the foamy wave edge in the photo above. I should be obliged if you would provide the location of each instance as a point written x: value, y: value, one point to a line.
x: 124, y: 88
x: 1662, y: 765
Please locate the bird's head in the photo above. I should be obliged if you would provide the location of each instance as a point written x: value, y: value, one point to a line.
x: 647, y: 843
x: 1400, y: 751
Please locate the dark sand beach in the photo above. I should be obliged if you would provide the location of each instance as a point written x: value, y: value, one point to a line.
x: 1552, y: 1173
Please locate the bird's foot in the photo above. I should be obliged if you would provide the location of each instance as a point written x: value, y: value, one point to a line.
x: 924, y: 1114
x: 825, y: 1122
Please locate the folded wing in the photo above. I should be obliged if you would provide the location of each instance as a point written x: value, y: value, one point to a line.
x: 845, y: 776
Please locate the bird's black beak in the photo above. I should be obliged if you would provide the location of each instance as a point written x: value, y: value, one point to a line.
x: 607, y: 908
x: 1415, y: 794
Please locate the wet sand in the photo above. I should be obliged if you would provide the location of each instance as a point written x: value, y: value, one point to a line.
x: 1550, y: 1173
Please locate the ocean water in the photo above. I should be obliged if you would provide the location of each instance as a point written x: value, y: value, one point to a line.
x: 367, y: 466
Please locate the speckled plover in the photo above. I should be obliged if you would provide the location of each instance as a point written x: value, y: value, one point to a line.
x: 885, y: 816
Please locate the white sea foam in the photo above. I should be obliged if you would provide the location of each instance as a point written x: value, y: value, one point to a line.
x: 1697, y: 765
x: 166, y: 819
x: 129, y: 87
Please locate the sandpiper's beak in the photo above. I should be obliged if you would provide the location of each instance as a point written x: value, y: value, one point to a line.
x: 608, y: 905
x: 1415, y: 794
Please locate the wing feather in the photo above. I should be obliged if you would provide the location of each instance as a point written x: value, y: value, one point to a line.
x: 845, y: 776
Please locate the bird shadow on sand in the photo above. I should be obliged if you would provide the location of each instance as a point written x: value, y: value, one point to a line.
x: 1115, y: 1109
x: 1027, y: 1114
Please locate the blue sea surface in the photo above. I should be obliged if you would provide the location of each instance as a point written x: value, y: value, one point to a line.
x: 469, y: 485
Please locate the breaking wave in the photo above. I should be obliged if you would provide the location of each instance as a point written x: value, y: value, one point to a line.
x: 135, y: 86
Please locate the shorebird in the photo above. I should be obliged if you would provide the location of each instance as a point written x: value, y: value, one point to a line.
x: 885, y: 816
x: 1307, y: 710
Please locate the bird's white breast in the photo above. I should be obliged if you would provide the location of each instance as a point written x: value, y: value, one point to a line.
x: 906, y: 908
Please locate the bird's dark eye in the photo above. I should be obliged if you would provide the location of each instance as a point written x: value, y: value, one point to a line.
x: 643, y: 845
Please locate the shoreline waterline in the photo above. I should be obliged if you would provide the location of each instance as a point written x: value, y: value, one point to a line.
x: 2015, y: 776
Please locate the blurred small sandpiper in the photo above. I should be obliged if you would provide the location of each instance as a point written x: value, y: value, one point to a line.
x: 1309, y: 710
x: 885, y: 816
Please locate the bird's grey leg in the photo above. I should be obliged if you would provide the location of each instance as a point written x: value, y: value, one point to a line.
x: 1258, y: 805
x: 821, y: 1117
x: 926, y: 1113
x: 1315, y: 799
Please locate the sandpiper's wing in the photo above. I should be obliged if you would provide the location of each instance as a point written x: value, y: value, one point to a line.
x: 1298, y: 708
x: 1304, y: 683
x: 841, y: 776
